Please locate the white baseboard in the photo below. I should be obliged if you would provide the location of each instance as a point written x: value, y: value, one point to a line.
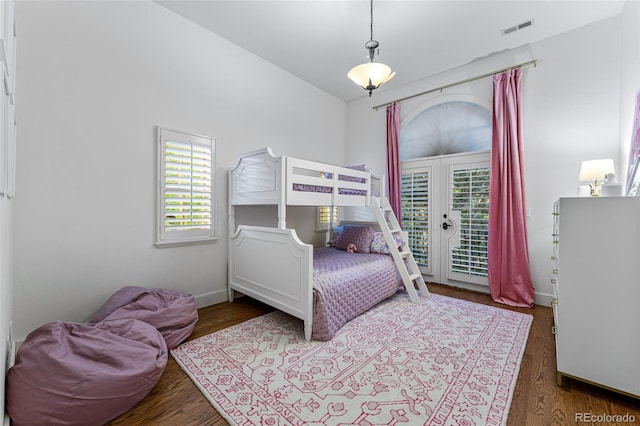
x: 11, y: 360
x: 12, y: 353
x: 212, y: 298
x: 541, y: 299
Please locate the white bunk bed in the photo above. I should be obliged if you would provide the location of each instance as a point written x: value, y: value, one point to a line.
x: 273, y: 265
x: 261, y: 178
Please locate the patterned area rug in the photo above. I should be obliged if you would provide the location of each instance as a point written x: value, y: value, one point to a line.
x: 443, y: 362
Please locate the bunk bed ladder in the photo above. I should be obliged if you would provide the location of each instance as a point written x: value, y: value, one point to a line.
x: 402, y: 256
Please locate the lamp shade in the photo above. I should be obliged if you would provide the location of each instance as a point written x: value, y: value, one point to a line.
x: 370, y: 75
x: 596, y: 169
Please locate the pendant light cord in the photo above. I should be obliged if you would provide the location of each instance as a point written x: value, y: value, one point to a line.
x: 371, y: 19
x: 372, y: 44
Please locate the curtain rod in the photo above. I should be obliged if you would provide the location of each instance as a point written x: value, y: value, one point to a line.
x: 533, y: 62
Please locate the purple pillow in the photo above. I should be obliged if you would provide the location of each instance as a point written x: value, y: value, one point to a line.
x: 172, y: 312
x: 359, y: 235
x: 75, y: 374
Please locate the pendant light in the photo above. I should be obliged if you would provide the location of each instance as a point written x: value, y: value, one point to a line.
x: 371, y: 75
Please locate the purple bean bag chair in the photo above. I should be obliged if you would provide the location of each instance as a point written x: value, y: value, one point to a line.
x: 172, y: 312
x: 76, y: 374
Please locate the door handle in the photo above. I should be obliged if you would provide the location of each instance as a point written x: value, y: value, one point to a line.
x: 445, y: 226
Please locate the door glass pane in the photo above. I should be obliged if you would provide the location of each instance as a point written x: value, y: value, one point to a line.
x: 414, y: 188
x: 470, y: 200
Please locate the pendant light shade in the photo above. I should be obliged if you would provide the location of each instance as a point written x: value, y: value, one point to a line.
x: 371, y: 75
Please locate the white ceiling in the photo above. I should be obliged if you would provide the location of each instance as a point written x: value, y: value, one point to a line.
x: 319, y: 41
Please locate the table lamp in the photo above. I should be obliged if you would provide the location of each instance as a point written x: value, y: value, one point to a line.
x: 596, y: 171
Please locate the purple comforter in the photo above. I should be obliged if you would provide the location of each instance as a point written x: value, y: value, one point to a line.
x: 348, y: 284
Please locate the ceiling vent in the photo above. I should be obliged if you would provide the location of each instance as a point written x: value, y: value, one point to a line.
x: 518, y: 27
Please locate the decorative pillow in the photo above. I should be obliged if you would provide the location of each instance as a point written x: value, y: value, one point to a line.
x: 360, y: 167
x: 379, y: 245
x: 76, y: 374
x: 335, y: 234
x: 359, y: 235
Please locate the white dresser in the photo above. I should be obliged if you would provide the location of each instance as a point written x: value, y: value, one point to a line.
x: 596, y: 244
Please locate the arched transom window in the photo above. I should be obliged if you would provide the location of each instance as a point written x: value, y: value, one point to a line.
x: 446, y: 128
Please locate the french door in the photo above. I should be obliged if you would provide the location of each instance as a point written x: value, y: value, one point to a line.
x: 445, y: 210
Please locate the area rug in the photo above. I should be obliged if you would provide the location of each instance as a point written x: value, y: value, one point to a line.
x: 442, y: 362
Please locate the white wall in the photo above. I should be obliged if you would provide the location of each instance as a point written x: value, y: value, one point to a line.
x: 95, y: 80
x: 571, y: 113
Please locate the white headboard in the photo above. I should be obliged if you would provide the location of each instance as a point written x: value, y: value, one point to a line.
x: 256, y: 179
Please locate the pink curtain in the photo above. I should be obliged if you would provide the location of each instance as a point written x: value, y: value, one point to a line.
x: 508, y: 256
x: 393, y: 158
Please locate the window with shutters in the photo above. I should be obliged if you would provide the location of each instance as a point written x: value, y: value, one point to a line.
x: 324, y: 219
x: 186, y: 167
x: 414, y: 190
x: 470, y: 197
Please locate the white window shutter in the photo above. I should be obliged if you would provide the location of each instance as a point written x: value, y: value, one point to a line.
x: 186, y: 169
x: 414, y: 192
x: 324, y: 219
x: 470, y: 197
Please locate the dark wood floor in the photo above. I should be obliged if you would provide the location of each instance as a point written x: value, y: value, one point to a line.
x: 537, y: 399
